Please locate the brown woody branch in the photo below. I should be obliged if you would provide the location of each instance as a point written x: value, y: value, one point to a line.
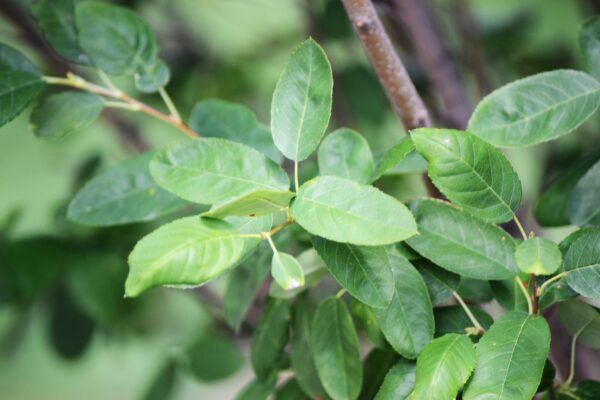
x: 389, y: 68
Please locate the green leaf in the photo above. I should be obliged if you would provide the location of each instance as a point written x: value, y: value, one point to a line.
x: 290, y: 390
x: 163, y: 384
x: 440, y: 282
x: 60, y: 115
x: 407, y: 322
x: 210, y: 170
x: 150, y: 78
x: 236, y: 122
x: 243, y: 285
x: 115, y: 38
x: 365, y: 271
x: 123, y: 194
x: 582, y: 321
x: 538, y: 256
x: 301, y: 104
x: 253, y: 204
x: 13, y: 60
x: 258, y: 389
x: 470, y: 172
x: 287, y: 271
x: 536, y: 109
x: 17, y: 90
x: 584, y: 200
x: 188, y: 251
x: 336, y: 350
x: 346, y: 153
x: 462, y: 244
x: 510, y: 358
x: 56, y: 20
x: 392, y: 158
x: 344, y: 211
x: 301, y: 356
x: 270, y: 337
x: 552, y: 207
x: 582, y: 262
x: 313, y: 269
x: 251, y: 226
x: 475, y: 290
x: 444, y: 367
x: 589, y: 43
x: 453, y: 319
x: 509, y: 295
x: 587, y: 390
x: 398, y: 382
x: 375, y: 366
x: 556, y: 292
x: 365, y: 317
x: 212, y: 358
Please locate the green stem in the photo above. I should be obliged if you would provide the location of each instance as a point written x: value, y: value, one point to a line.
x: 296, y: 175
x: 521, y: 229
x: 526, y: 293
x: 550, y: 281
x: 268, y: 237
x: 340, y: 293
x: 169, y: 103
x: 78, y: 82
x: 573, y: 356
x: 121, y: 104
x: 471, y: 316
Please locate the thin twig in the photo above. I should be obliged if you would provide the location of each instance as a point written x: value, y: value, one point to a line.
x: 169, y: 103
x: 471, y: 316
x: 526, y: 293
x: 78, y: 82
x: 521, y: 229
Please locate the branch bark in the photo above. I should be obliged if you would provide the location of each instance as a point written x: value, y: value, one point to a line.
x: 417, y: 18
x: 389, y: 68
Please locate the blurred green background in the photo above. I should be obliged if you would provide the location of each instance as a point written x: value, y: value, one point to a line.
x: 232, y: 50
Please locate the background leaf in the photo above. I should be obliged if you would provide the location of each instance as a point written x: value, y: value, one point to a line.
x: 582, y: 262
x: 470, y: 172
x: 398, y: 382
x: 115, y: 38
x: 336, y: 350
x: 188, y: 251
x: 56, y: 19
x: 510, y: 358
x: 210, y: 170
x: 17, y: 90
x: 365, y: 271
x: 13, y: 60
x: 345, y: 153
x: 407, y: 322
x: 392, y: 158
x: 589, y: 42
x: 344, y: 211
x: 462, y: 244
x: 444, y: 367
x: 236, y: 122
x: 584, y: 200
x: 536, y: 109
x: 123, y: 194
x: 440, y: 282
x: 301, y: 103
x: 581, y: 320
x: 270, y: 337
x: 151, y: 77
x: 63, y: 114
x: 212, y: 358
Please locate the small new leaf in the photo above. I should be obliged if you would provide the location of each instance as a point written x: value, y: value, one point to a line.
x: 287, y: 271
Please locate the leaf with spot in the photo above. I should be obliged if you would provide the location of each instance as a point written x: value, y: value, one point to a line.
x: 253, y: 204
x: 470, y: 172
x: 287, y: 271
x: 301, y: 104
